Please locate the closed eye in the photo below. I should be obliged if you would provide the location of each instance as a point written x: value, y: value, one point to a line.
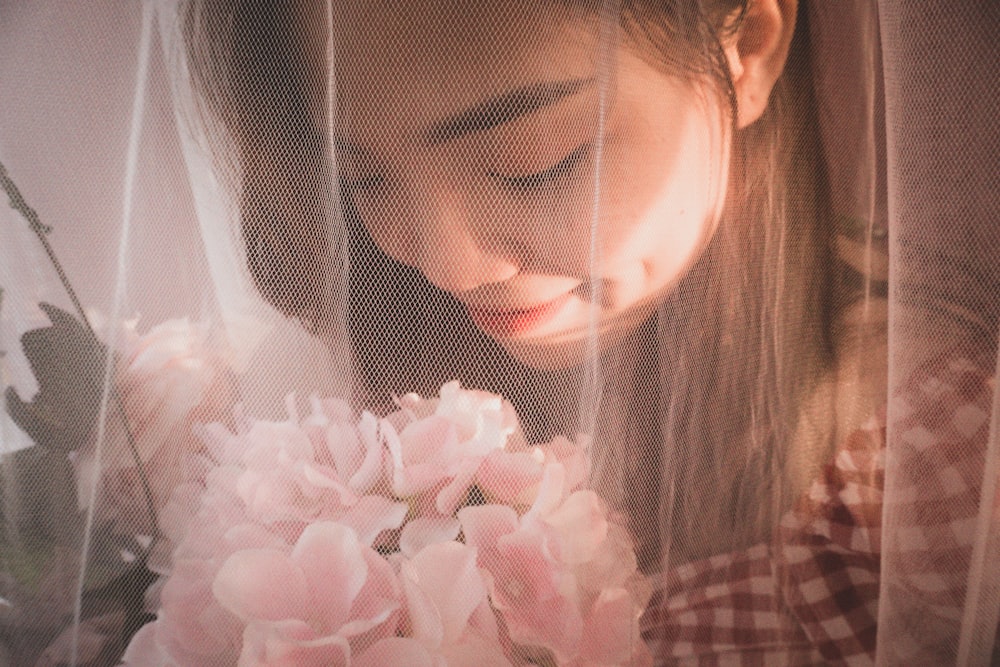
x: 550, y: 176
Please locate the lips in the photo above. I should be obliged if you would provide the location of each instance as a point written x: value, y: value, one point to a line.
x: 511, y: 322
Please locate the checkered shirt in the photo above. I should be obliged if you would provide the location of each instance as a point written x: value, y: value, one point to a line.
x: 811, y: 595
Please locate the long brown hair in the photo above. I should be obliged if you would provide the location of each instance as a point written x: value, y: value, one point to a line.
x: 745, y: 337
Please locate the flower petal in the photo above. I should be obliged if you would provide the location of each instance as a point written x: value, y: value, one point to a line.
x: 582, y: 526
x: 334, y: 568
x: 457, y: 490
x: 424, y: 617
x: 509, y: 477
x: 447, y: 572
x: 291, y: 643
x: 611, y: 634
x: 261, y: 584
x: 372, y: 464
x: 484, y: 524
x: 395, y: 652
x: 424, y: 531
x: 372, y: 515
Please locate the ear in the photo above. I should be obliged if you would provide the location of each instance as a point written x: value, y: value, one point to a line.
x: 756, y: 52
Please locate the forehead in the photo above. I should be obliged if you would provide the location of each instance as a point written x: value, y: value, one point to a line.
x: 401, y: 65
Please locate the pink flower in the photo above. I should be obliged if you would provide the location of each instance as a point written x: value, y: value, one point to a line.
x: 425, y: 454
x: 277, y: 526
x: 448, y: 616
x: 144, y: 649
x: 437, y: 446
x: 529, y: 586
x: 313, y: 605
x: 353, y: 449
x: 289, y: 475
x: 557, y: 575
x: 168, y: 379
x: 268, y: 490
x: 192, y: 627
x: 512, y: 476
x: 478, y: 416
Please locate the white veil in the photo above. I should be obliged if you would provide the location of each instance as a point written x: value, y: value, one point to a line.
x: 792, y: 445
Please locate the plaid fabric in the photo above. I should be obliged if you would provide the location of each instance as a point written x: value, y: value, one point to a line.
x: 811, y: 596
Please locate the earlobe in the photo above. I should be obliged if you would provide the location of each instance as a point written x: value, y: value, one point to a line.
x: 756, y: 53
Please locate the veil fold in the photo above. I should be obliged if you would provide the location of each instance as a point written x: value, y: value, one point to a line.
x: 787, y: 453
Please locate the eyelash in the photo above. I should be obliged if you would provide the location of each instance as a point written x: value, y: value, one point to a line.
x: 526, y: 183
x: 541, y: 179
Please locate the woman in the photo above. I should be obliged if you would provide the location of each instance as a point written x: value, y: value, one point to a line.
x: 484, y: 184
x: 620, y: 217
x: 658, y: 224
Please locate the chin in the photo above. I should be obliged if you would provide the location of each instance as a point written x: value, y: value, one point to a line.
x: 573, y: 349
x: 551, y: 355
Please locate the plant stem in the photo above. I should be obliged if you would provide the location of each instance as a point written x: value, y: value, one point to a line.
x: 19, y: 204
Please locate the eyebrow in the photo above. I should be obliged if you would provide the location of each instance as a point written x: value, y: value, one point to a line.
x: 504, y: 109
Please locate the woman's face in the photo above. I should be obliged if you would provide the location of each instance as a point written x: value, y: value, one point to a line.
x: 555, y: 184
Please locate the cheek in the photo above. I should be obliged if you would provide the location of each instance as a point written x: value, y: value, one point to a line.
x: 560, y: 237
x: 662, y: 205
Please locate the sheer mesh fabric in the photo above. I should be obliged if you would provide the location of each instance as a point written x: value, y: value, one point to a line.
x: 767, y: 313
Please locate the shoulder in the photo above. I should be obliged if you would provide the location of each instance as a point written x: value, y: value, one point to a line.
x: 897, y: 501
x: 897, y: 490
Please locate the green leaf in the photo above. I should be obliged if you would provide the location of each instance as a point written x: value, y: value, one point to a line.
x: 68, y: 363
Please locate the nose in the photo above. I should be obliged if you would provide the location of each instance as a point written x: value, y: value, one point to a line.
x: 455, y: 248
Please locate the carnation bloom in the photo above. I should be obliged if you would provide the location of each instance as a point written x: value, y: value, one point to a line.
x: 512, y: 476
x: 558, y: 575
x: 448, y: 615
x: 312, y: 605
x: 269, y: 488
x: 331, y: 540
x: 437, y: 446
x: 167, y: 379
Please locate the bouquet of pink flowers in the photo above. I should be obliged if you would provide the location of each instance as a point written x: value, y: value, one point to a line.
x: 434, y: 536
